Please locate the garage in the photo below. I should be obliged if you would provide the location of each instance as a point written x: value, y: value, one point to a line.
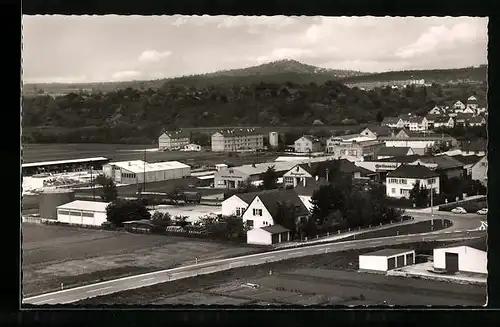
x: 463, y: 257
x: 386, y: 259
x: 82, y: 213
x: 268, y: 235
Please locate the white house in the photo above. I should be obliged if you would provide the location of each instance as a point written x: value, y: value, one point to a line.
x: 472, y: 102
x: 192, y: 147
x: 436, y: 111
x: 264, y: 207
x: 374, y: 132
x: 268, y: 235
x: 417, y: 124
x: 307, y: 143
x: 400, y: 181
x: 459, y: 105
x: 238, y: 203
x: 84, y: 213
x: 469, y: 256
x: 444, y: 121
x: 386, y: 259
x: 393, y: 122
x: 479, y: 171
x: 469, y: 110
x: 476, y: 121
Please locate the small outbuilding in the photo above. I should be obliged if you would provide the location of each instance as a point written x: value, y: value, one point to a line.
x: 139, y: 226
x: 386, y: 259
x: 83, y: 213
x: 268, y: 235
x: 468, y: 256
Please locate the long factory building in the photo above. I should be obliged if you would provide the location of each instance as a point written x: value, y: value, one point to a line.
x: 130, y: 172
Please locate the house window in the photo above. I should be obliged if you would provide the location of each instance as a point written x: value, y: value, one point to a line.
x: 288, y: 180
x: 393, y: 180
x: 257, y: 212
x: 250, y: 223
x: 432, y: 181
x: 402, y: 181
x: 393, y: 190
x: 238, y: 212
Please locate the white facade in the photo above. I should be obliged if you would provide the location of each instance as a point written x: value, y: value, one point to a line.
x: 469, y: 110
x: 192, y: 147
x: 449, y: 123
x: 138, y: 171
x: 236, y: 140
x: 436, y: 111
x: 296, y: 176
x: 273, y: 139
x: 305, y: 145
x: 174, y: 141
x: 418, y: 146
x: 469, y: 259
x: 380, y: 262
x: 459, y: 105
x: 233, y: 206
x: 259, y: 237
x: 257, y: 215
x: 398, y: 187
x: 306, y: 200
x: 418, y: 126
x: 84, y: 213
x: 479, y: 171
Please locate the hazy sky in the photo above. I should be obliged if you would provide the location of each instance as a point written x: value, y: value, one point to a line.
x: 105, y: 48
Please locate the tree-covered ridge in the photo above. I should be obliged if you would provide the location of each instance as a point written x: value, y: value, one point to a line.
x: 133, y: 115
x: 274, y: 72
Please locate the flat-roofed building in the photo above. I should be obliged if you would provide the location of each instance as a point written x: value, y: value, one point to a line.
x: 237, y: 140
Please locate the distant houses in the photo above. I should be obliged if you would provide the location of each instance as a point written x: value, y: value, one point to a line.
x: 308, y: 144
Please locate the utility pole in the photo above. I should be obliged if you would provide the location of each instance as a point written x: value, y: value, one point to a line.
x: 144, y: 172
x: 92, y: 182
x: 432, y: 204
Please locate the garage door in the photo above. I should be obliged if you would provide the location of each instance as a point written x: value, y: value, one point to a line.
x: 391, y: 263
x: 409, y: 259
x: 451, y: 262
x: 400, y: 262
x: 275, y: 238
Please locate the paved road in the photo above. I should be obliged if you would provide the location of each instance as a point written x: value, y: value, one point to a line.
x: 132, y: 282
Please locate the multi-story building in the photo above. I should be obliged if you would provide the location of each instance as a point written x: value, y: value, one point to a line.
x: 476, y: 121
x: 393, y: 122
x: 459, y: 105
x: 417, y: 123
x: 444, y: 121
x: 173, y: 140
x: 308, y: 143
x: 401, y: 181
x: 354, y: 150
x: 237, y: 140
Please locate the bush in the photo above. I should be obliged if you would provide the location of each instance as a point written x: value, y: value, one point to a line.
x: 400, y: 203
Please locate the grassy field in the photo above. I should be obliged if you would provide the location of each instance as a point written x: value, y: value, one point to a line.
x: 416, y: 228
x: 74, y: 256
x: 330, y: 279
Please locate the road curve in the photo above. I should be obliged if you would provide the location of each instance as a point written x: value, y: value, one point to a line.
x: 138, y: 281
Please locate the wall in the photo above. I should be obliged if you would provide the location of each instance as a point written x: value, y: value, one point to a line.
x: 227, y: 176
x: 217, y: 142
x: 229, y: 205
x: 236, y: 142
x: 367, y: 262
x: 75, y: 217
x: 480, y: 171
x: 303, y: 145
x: 417, y: 146
x: 165, y: 142
x: 469, y: 259
x: 408, y: 186
x: 258, y: 221
x: 259, y: 237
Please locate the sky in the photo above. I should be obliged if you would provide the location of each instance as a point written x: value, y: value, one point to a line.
x: 78, y: 49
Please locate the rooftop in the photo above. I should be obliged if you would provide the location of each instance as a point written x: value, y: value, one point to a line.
x: 393, y: 151
x: 390, y: 120
x: 382, y: 130
x: 402, y: 158
x: 238, y: 132
x: 388, y: 252
x: 467, y: 160
x: 85, y: 205
x: 311, y: 138
x: 275, y: 229
x: 139, y: 166
x: 62, y: 162
x: 271, y: 201
x: 476, y: 243
x: 442, y: 162
x: 176, y: 134
x: 412, y: 171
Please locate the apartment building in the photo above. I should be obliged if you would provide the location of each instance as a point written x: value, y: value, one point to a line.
x: 237, y: 140
x: 173, y: 140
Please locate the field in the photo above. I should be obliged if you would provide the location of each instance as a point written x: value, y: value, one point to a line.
x: 416, y: 228
x: 330, y: 279
x: 55, y: 254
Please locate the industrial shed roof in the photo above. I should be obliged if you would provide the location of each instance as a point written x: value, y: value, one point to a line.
x: 476, y: 243
x: 388, y: 252
x: 62, y: 162
x: 85, y: 205
x: 139, y: 166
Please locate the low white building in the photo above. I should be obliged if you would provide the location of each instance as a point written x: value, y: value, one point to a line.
x: 192, y: 147
x: 268, y: 235
x: 469, y: 256
x: 138, y: 171
x: 417, y: 124
x: 84, y: 213
x: 479, y: 171
x: 308, y: 144
x: 400, y: 181
x: 386, y: 259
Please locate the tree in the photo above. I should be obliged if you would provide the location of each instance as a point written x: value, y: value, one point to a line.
x: 326, y: 200
x: 162, y: 219
x: 380, y: 116
x: 270, y: 179
x: 120, y: 211
x: 246, y: 187
x: 419, y: 195
x: 235, y: 228
x: 286, y: 216
x: 109, y: 190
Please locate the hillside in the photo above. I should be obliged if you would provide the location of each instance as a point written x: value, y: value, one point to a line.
x: 275, y: 72
x: 138, y: 116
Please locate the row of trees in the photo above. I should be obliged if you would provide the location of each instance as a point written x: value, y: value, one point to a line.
x: 140, y: 115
